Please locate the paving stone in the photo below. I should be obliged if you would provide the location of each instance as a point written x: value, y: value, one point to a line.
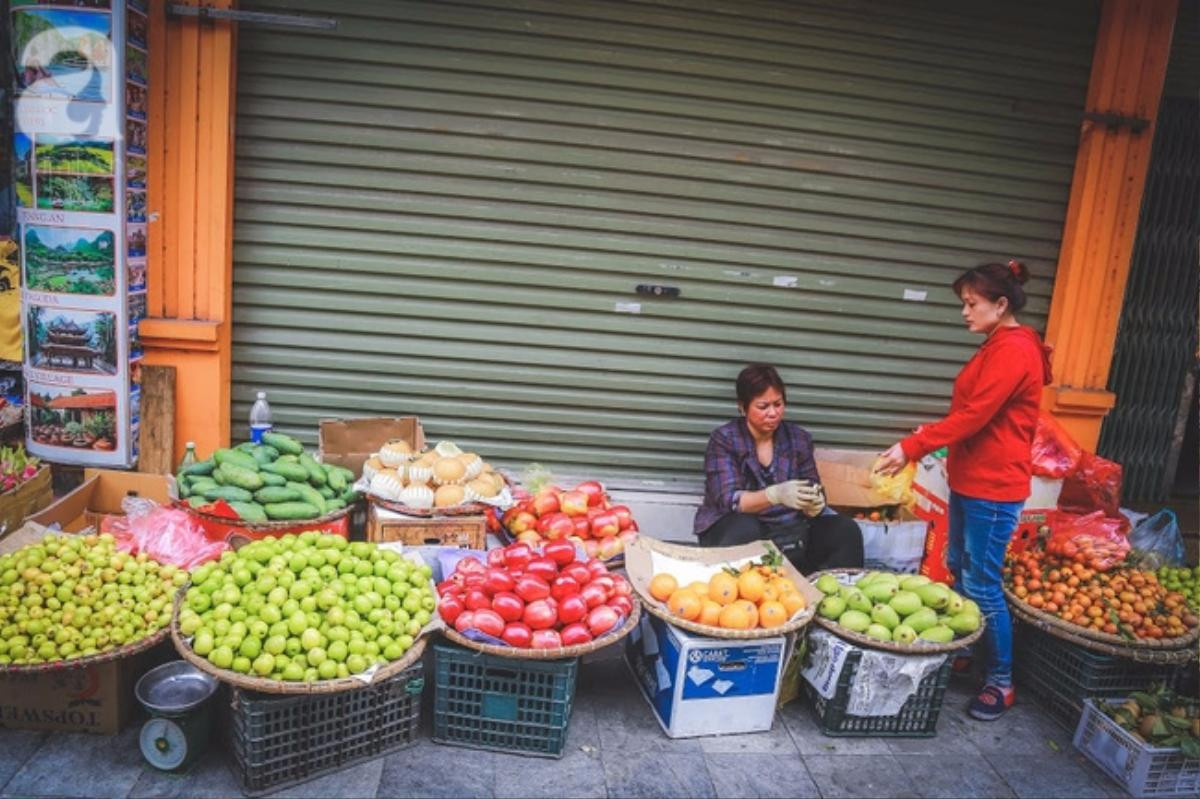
x: 877, y: 776
x: 79, y: 764
x: 1022, y: 730
x: 360, y: 781
x: 624, y: 720
x: 426, y: 769
x: 777, y: 741
x: 15, y: 748
x: 750, y: 775
x: 951, y: 738
x: 1062, y: 776
x: 211, y: 776
x: 937, y: 776
x: 663, y: 775
x: 806, y: 734
x: 578, y: 775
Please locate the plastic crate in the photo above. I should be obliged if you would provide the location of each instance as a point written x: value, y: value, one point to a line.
x: 282, y: 740
x: 916, y: 719
x: 1139, y: 768
x: 1063, y: 674
x: 489, y: 702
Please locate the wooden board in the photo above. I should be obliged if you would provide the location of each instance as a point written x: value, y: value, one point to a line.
x: 157, y: 443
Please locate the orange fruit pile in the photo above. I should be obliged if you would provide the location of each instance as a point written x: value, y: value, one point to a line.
x: 756, y: 596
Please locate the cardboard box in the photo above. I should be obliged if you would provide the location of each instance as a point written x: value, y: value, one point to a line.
x: 99, y: 496
x: 30, y: 497
x: 466, y: 531
x: 349, y: 442
x: 705, y: 686
x: 846, y: 478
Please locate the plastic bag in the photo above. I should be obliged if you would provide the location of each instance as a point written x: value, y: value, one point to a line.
x: 1094, y: 485
x: 1055, y: 453
x: 1094, y: 539
x: 896, y: 488
x: 1156, y: 541
x: 165, y: 534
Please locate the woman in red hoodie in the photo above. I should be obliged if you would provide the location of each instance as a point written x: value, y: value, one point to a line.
x: 989, y: 429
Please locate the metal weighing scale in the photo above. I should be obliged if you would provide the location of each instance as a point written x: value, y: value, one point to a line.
x: 176, y: 695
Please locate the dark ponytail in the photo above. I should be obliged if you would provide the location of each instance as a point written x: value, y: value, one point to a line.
x: 995, y: 280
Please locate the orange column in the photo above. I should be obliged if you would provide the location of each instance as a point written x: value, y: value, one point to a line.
x: 1130, y: 62
x: 190, y: 232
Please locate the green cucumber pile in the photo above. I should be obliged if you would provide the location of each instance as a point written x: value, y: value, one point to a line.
x: 272, y: 481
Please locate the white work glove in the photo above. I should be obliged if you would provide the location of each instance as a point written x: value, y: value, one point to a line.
x: 786, y: 493
x: 810, y: 499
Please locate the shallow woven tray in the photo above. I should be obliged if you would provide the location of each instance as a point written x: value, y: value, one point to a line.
x: 1155, y: 650
x: 549, y: 654
x: 92, y: 660
x: 266, y: 527
x: 280, y: 686
x: 923, y: 648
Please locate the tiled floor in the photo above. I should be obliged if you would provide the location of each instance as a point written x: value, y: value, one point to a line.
x: 616, y: 748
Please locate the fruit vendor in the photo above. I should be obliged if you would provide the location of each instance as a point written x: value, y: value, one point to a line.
x: 761, y: 482
x: 989, y: 430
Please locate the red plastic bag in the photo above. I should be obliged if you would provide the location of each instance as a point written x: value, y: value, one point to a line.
x: 1055, y: 453
x: 1096, y: 540
x: 1095, y: 485
x: 166, y: 534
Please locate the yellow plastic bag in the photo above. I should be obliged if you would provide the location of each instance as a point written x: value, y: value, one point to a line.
x: 897, y: 488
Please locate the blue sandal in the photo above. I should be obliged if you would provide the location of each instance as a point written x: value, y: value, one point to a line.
x: 992, y: 702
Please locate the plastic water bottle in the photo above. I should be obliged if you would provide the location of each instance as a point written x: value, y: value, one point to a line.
x: 260, y: 418
x: 189, y: 457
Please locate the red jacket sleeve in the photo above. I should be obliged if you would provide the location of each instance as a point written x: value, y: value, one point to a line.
x: 1000, y: 374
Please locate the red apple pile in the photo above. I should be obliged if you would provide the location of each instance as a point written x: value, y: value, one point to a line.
x: 535, y: 600
x: 583, y: 515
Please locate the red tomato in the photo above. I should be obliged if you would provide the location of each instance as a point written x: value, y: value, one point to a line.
x: 543, y: 567
x: 516, y: 556
x: 593, y: 595
x: 489, y: 622
x: 477, y: 600
x: 498, y: 581
x: 530, y: 587
x: 563, y: 587
x: 561, y: 552
x: 623, y: 605
x: 465, y: 620
x: 546, y: 639
x: 508, y: 605
x: 575, y: 634
x: 572, y: 609
x: 470, y: 565
x: 449, y: 608
x: 495, y: 558
x: 539, y: 615
x: 517, y: 634
x: 578, y: 572
x: 601, y: 620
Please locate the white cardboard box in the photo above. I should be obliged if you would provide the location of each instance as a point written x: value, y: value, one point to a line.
x: 705, y: 686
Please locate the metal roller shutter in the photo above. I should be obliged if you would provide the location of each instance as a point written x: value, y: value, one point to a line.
x: 445, y: 208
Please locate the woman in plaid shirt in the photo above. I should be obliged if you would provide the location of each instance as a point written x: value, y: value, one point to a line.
x: 762, y: 482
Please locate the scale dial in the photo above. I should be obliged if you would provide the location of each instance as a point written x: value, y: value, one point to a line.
x: 164, y: 744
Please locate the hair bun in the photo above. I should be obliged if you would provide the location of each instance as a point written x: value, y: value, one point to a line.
x: 1019, y: 271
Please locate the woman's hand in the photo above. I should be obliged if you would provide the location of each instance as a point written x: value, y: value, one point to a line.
x: 891, y: 461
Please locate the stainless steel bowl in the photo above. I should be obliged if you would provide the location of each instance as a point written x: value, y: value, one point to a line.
x: 174, y: 688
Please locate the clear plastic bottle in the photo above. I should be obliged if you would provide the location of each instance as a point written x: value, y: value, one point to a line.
x: 189, y: 457
x: 260, y: 418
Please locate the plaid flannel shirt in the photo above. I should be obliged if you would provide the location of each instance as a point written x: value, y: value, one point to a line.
x: 731, y: 467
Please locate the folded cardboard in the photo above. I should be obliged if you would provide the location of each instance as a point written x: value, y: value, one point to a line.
x: 466, y: 531
x: 100, y: 495
x: 846, y: 478
x: 705, y: 686
x: 29, y: 497
x: 349, y: 442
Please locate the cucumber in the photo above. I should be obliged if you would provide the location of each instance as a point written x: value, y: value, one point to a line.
x: 184, y: 490
x: 274, y: 494
x: 327, y: 492
x: 241, y: 477
x: 346, y: 474
x: 291, y: 510
x: 229, y: 494
x: 288, y: 459
x: 334, y: 504
x: 350, y: 496
x: 218, y: 476
x: 197, y: 502
x: 249, y: 511
x: 200, y: 468
x: 264, y: 455
x: 294, y: 472
x: 310, y: 495
x: 272, y: 479
x: 285, y: 444
x: 316, y: 475
x: 224, y: 456
x: 246, y: 447
x: 334, y: 478
x: 200, y: 485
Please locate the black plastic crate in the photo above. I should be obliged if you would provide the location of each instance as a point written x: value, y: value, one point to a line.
x: 506, y: 704
x: 282, y: 740
x: 1062, y: 674
x: 917, y: 718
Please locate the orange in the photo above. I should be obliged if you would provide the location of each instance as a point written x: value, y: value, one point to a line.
x: 710, y: 613
x: 784, y: 585
x: 698, y: 588
x: 770, y: 593
x: 772, y: 614
x: 751, y: 610
x: 722, y: 588
x: 685, y: 603
x: 735, y: 617
x: 662, y: 586
x: 792, y: 602
x: 751, y: 586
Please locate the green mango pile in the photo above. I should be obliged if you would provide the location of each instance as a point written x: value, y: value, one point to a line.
x: 898, y: 607
x: 272, y: 481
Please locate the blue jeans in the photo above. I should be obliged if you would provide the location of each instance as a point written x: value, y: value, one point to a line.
x: 979, y: 533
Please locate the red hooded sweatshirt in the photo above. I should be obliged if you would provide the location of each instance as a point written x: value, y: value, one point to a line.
x: 993, y: 415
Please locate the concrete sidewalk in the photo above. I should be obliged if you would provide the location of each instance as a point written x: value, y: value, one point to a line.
x: 616, y: 748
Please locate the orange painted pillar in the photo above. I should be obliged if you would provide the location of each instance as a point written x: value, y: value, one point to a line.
x: 190, y: 232
x: 1128, y: 67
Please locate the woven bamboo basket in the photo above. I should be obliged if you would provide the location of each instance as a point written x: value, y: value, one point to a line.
x: 288, y: 688
x: 127, y: 650
x: 549, y: 654
x: 267, y: 528
x: 1155, y: 650
x: 915, y: 648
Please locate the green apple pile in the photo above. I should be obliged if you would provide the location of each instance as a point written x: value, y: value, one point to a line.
x: 1184, y: 580
x: 306, y: 607
x: 898, y: 607
x: 69, y: 596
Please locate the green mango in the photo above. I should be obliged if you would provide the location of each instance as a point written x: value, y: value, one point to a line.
x: 879, y: 632
x: 911, y: 582
x: 903, y: 634
x: 905, y: 603
x: 881, y: 590
x: 883, y: 614
x: 939, y: 634
x: 855, y: 621
x: 964, y: 623
x: 856, y: 600
x: 828, y: 584
x: 832, y: 607
x: 922, y: 620
x: 934, y: 595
